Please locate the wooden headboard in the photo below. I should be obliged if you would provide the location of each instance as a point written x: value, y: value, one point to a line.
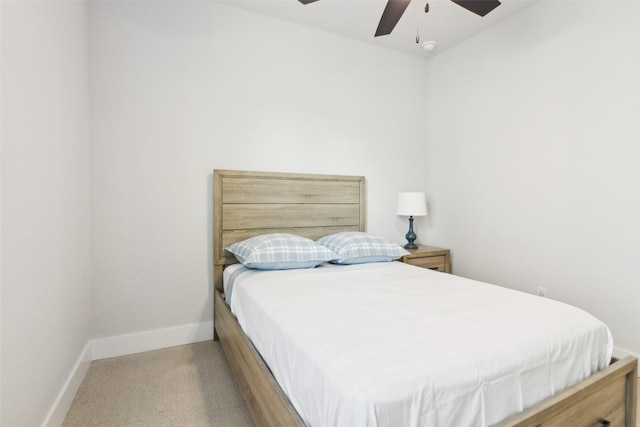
x: 247, y: 204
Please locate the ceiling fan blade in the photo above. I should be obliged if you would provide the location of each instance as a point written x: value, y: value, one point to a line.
x: 392, y: 13
x: 479, y: 7
x: 306, y: 1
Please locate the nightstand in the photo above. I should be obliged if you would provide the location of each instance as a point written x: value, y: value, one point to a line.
x: 429, y: 257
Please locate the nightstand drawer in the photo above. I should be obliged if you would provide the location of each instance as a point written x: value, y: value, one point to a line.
x: 429, y: 257
x: 438, y: 263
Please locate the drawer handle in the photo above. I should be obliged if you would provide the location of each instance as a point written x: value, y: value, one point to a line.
x: 602, y: 423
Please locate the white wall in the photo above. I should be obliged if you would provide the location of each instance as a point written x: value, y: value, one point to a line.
x: 45, y: 203
x: 534, y: 156
x: 181, y: 88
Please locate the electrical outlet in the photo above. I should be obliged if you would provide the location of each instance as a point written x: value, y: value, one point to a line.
x: 542, y: 292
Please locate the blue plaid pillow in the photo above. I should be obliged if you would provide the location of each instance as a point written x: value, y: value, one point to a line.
x: 280, y: 251
x: 355, y: 247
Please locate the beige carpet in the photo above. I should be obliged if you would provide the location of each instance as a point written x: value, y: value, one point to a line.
x: 189, y: 385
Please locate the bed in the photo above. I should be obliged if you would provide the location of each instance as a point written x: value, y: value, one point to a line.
x: 248, y: 204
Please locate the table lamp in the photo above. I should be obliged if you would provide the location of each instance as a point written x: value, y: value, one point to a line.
x: 411, y: 204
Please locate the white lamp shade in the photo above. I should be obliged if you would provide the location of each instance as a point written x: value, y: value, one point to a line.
x: 411, y: 204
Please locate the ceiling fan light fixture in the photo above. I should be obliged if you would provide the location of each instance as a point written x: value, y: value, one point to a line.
x: 429, y: 46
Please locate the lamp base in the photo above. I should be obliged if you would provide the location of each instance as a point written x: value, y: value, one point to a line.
x: 411, y: 236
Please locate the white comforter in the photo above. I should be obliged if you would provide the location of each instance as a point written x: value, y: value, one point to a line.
x: 389, y: 344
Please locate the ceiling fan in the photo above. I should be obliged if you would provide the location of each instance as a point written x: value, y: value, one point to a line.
x: 395, y: 8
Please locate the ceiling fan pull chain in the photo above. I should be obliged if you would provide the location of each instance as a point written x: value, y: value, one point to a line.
x: 417, y: 26
x: 426, y: 10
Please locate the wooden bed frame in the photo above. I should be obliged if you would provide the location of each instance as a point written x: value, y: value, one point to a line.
x: 247, y: 204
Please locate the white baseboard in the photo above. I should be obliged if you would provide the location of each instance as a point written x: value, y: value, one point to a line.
x: 63, y: 402
x: 619, y: 353
x: 122, y: 345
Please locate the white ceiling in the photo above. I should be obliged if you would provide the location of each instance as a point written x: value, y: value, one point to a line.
x: 446, y: 23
